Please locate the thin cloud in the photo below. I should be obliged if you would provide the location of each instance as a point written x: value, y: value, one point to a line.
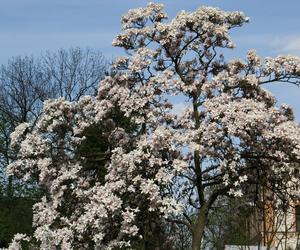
x: 273, y: 45
x: 287, y: 45
x: 179, y: 107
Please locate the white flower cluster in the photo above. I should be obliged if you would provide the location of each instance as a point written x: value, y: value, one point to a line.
x: 16, y: 244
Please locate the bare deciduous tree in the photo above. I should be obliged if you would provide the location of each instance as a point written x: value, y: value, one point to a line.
x: 74, y: 72
x: 26, y: 82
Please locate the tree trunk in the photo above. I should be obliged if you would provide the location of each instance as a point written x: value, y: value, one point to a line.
x: 9, y: 191
x: 199, y: 226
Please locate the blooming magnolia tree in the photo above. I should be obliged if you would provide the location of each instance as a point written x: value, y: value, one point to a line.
x: 229, y: 137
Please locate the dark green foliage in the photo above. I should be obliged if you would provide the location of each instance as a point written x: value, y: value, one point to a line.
x: 15, y: 217
x: 230, y: 224
x: 93, y: 152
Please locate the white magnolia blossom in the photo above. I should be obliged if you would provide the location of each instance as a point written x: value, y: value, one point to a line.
x: 16, y: 244
x: 16, y: 136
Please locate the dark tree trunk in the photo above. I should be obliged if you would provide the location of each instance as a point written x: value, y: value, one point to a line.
x: 199, y: 226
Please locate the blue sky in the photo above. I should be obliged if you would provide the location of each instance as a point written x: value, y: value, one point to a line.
x: 29, y: 27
